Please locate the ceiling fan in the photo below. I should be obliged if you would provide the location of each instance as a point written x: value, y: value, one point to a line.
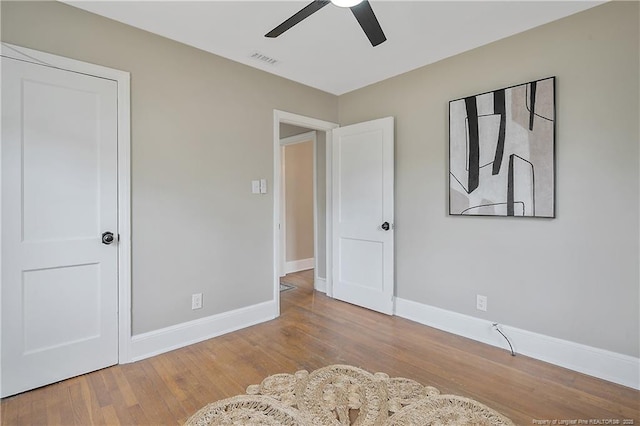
x: 361, y: 10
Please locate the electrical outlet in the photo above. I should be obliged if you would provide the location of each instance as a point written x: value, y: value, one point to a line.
x: 196, y: 301
x: 481, y: 302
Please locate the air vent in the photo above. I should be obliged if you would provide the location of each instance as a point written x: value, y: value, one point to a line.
x: 257, y: 56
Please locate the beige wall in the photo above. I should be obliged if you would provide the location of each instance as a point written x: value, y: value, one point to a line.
x: 201, y: 131
x: 298, y: 160
x: 574, y: 277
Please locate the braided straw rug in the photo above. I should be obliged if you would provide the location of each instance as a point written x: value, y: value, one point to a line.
x: 340, y: 395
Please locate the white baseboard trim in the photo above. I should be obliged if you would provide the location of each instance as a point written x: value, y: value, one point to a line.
x: 155, y: 342
x: 320, y: 284
x: 600, y: 363
x: 299, y: 265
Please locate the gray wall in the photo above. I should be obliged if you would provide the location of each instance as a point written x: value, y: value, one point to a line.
x: 201, y: 131
x: 574, y: 277
x: 196, y: 225
x: 288, y: 130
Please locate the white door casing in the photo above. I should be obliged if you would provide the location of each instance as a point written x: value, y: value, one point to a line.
x: 61, y: 134
x: 362, y: 191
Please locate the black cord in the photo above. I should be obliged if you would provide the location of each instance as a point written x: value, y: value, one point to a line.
x: 505, y: 338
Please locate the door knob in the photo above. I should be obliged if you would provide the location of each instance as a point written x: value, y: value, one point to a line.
x: 107, y: 237
x: 385, y: 226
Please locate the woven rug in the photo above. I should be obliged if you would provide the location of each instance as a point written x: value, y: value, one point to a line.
x: 341, y: 395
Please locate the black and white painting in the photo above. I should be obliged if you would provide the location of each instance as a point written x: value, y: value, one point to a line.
x: 501, y: 152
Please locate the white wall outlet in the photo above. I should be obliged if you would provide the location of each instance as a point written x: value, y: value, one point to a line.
x: 263, y: 186
x: 196, y: 301
x: 481, y: 302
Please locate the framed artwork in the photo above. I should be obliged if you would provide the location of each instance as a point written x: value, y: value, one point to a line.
x: 502, y: 152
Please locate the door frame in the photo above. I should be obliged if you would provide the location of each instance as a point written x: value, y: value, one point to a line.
x: 310, y: 136
x: 312, y: 124
x: 122, y: 78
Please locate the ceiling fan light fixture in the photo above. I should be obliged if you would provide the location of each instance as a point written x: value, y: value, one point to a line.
x: 346, y: 3
x: 361, y: 9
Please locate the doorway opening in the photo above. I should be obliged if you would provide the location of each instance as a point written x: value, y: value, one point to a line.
x: 298, y: 202
x: 301, y: 243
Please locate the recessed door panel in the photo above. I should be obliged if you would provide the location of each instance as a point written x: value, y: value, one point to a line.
x: 51, y: 309
x: 361, y: 252
x: 60, y: 152
x: 361, y: 192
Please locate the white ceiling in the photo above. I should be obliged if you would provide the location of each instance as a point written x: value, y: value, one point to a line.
x: 328, y: 50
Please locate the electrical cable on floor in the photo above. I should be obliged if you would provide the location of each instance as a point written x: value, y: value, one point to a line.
x: 497, y: 328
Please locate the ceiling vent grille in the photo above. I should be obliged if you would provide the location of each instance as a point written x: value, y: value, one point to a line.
x: 257, y: 56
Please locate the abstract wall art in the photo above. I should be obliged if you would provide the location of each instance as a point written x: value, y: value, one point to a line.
x: 502, y: 152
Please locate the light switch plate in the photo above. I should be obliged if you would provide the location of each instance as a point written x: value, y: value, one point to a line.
x: 255, y: 186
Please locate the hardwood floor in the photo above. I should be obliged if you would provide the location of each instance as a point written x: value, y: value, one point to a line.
x: 314, y: 331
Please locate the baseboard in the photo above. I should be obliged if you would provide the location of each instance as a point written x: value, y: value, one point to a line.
x: 299, y: 265
x: 167, y: 339
x: 600, y: 363
x: 320, y: 284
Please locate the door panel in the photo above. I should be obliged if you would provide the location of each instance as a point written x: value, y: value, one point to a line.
x: 361, y: 174
x: 59, y: 128
x: 354, y: 253
x: 362, y: 187
x: 48, y: 325
x: 59, y: 193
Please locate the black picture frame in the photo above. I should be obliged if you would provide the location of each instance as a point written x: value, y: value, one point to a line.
x: 502, y: 152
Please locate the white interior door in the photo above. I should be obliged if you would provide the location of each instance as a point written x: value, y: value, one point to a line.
x: 362, y: 188
x: 59, y: 194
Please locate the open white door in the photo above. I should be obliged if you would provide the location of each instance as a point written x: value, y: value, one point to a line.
x: 59, y: 194
x: 362, y: 188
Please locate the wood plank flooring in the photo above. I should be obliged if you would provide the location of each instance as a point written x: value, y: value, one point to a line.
x: 314, y: 331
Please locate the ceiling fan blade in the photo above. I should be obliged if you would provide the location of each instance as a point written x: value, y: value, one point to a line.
x: 369, y: 23
x: 304, y: 13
